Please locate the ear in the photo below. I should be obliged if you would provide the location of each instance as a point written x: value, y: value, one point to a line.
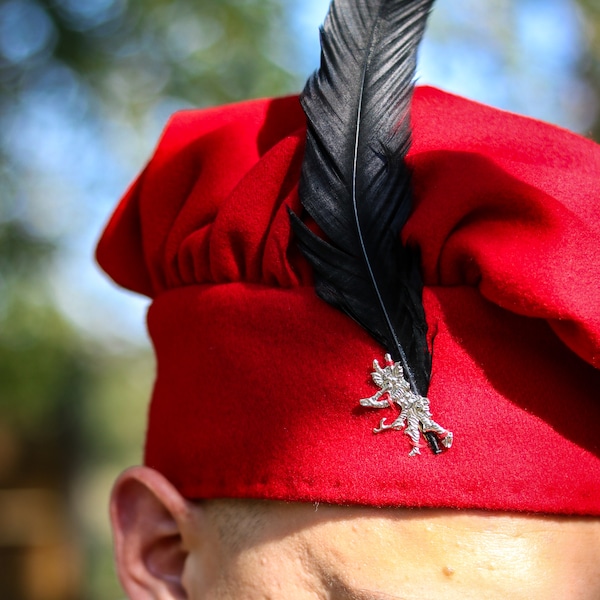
x: 152, y: 529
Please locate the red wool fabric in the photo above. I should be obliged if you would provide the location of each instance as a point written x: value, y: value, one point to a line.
x: 258, y: 381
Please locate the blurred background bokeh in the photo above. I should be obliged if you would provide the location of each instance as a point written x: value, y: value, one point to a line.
x: 85, y: 88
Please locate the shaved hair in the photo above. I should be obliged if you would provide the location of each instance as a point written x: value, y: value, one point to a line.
x: 237, y: 521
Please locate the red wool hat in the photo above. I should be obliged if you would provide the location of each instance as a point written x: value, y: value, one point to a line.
x: 259, y: 381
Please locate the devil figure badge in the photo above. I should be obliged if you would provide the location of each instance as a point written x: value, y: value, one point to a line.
x: 414, y: 409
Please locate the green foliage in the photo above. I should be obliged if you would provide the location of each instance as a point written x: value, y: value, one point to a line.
x: 37, y: 356
x: 590, y: 64
x: 132, y: 53
x: 22, y: 254
x: 39, y: 367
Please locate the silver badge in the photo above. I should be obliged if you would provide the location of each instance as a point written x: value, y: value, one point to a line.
x: 414, y: 409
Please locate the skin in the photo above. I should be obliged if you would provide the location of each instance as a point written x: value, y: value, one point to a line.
x: 168, y: 548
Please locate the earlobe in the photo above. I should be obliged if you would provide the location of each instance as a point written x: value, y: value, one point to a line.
x: 149, y: 518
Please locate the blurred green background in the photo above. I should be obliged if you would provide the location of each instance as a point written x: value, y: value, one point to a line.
x: 85, y: 88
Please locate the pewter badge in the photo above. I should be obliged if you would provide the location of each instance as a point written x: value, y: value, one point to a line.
x: 414, y: 409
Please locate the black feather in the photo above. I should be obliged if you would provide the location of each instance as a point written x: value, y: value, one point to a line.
x: 355, y: 183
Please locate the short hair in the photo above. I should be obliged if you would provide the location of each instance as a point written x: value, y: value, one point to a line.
x: 237, y: 521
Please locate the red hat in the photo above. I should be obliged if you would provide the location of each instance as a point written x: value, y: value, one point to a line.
x: 259, y: 381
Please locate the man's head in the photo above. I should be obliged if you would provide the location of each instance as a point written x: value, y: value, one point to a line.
x: 484, y: 291
x: 171, y: 548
